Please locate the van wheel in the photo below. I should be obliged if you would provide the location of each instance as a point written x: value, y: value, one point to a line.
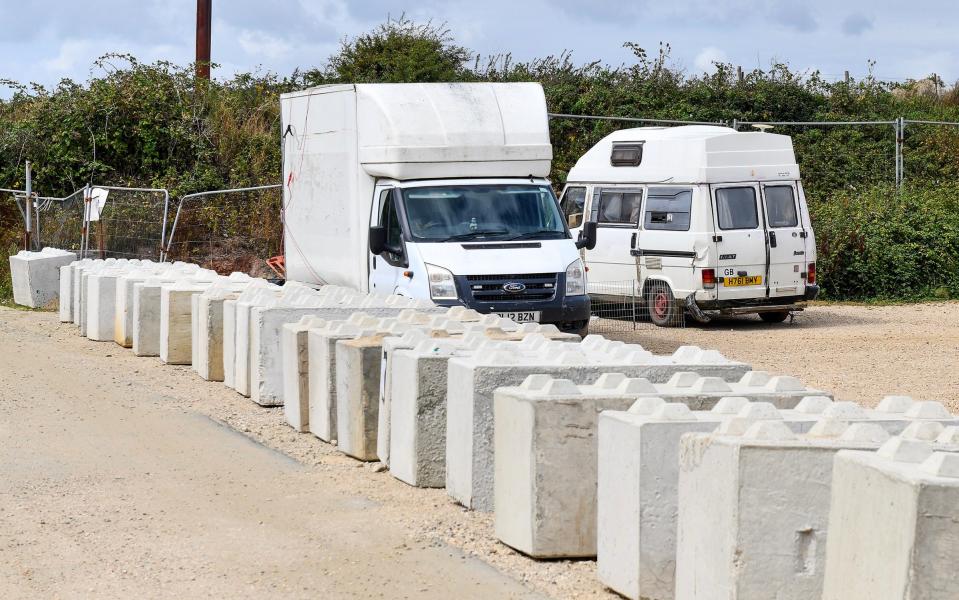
x: 663, y: 309
x: 774, y: 317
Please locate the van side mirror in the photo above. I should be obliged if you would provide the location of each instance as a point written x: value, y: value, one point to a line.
x: 377, y: 240
x: 587, y: 237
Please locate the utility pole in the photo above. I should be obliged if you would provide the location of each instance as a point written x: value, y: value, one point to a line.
x: 204, y: 33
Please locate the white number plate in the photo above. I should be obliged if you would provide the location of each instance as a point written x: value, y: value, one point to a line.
x: 531, y: 316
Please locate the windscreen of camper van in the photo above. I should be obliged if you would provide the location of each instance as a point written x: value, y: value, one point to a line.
x: 475, y: 212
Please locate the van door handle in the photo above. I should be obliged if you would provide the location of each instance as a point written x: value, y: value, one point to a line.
x: 632, y: 240
x: 772, y: 239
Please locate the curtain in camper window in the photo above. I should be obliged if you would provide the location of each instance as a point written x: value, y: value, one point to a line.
x: 736, y: 208
x: 617, y: 207
x: 781, y: 206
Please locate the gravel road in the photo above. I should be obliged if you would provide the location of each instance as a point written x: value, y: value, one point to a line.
x: 121, y: 476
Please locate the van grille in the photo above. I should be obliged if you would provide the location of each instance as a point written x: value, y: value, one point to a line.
x: 489, y: 288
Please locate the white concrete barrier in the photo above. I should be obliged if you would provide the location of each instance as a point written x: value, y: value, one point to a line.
x: 893, y: 524
x: 176, y: 323
x: 753, y: 511
x: 296, y: 381
x: 36, y: 276
x: 472, y: 381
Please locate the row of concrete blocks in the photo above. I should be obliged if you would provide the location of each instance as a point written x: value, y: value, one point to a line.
x: 733, y: 502
x: 35, y: 276
x: 422, y: 402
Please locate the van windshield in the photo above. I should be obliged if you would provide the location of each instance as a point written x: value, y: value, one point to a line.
x: 479, y: 212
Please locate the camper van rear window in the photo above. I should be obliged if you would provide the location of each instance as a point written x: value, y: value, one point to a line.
x: 626, y: 155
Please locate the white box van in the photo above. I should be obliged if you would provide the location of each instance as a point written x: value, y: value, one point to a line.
x: 434, y: 191
x: 697, y: 218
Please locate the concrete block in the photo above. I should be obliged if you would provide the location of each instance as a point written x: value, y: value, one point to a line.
x: 36, y: 276
x: 391, y: 345
x: 252, y: 292
x: 123, y: 315
x: 357, y: 395
x: 893, y: 525
x: 753, y: 511
x: 294, y: 353
x: 76, y: 285
x: 545, y: 466
x: 472, y: 380
x: 176, y: 323
x: 65, y: 300
x: 101, y: 303
x: 243, y: 356
x: 417, y: 419
x: 321, y: 344
x: 146, y: 316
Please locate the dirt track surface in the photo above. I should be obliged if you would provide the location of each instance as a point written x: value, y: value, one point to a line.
x: 124, y: 477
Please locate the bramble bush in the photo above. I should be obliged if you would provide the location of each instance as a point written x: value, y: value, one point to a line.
x: 155, y: 125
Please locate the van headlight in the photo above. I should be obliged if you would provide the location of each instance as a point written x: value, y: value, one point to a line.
x: 575, y: 278
x: 442, y: 285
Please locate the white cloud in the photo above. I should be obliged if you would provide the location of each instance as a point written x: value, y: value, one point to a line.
x: 263, y: 45
x: 707, y: 56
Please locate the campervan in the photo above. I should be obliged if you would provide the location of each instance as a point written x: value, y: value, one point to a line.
x: 697, y: 220
x: 433, y: 191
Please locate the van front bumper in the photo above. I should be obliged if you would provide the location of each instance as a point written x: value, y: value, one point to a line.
x: 568, y: 313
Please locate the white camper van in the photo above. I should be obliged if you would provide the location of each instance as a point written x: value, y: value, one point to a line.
x: 701, y: 219
x: 434, y: 191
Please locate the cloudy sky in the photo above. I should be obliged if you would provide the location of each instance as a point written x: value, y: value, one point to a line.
x: 47, y: 40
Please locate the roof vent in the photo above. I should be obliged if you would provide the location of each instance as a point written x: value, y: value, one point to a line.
x: 626, y: 155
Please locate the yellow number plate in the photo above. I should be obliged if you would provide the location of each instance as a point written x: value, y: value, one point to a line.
x: 741, y: 281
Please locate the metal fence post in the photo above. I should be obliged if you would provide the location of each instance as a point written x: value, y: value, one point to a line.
x: 902, y: 151
x: 28, y: 207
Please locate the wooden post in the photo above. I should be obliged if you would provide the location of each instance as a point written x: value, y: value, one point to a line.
x: 204, y: 31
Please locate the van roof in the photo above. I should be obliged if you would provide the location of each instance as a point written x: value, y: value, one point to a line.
x: 691, y: 154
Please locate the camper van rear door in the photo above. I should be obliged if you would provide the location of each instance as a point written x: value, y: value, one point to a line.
x: 739, y: 221
x: 788, y: 256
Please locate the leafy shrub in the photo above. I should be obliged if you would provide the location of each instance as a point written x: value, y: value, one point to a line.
x: 877, y: 244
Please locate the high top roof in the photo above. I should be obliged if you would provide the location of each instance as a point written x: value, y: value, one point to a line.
x: 691, y: 154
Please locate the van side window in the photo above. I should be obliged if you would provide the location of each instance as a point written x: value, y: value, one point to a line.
x: 617, y: 207
x: 781, y: 206
x: 736, y: 208
x: 668, y: 209
x: 573, y: 203
x: 390, y: 220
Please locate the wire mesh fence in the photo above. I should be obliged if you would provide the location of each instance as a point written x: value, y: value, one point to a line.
x: 228, y: 230
x: 128, y: 225
x: 623, y: 306
x: 59, y: 222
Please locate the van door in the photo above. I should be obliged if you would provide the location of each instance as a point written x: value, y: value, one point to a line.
x: 740, y: 242
x: 616, y: 212
x: 787, y: 240
x: 385, y: 268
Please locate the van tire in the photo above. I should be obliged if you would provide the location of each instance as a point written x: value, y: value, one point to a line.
x: 663, y: 309
x: 774, y: 317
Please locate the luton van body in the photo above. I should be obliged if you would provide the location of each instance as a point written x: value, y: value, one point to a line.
x: 434, y: 191
x: 701, y: 219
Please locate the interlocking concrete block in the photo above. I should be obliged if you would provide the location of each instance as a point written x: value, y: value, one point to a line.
x: 257, y: 289
x: 546, y: 463
x: 101, y: 303
x: 294, y: 353
x: 321, y: 344
x: 65, y: 299
x: 357, y: 395
x: 637, y: 495
x: 753, y: 511
x: 242, y: 355
x: 176, y: 323
x: 207, y: 319
x: 123, y: 309
x: 391, y: 345
x: 472, y: 380
x: 36, y: 276
x: 893, y: 524
x: 146, y: 316
x: 417, y: 419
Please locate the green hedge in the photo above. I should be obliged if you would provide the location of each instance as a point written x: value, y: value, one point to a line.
x: 877, y: 244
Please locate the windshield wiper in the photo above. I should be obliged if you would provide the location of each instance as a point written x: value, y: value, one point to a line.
x: 473, y: 234
x: 534, y: 234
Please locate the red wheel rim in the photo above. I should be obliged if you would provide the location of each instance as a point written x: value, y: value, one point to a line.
x: 660, y: 304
